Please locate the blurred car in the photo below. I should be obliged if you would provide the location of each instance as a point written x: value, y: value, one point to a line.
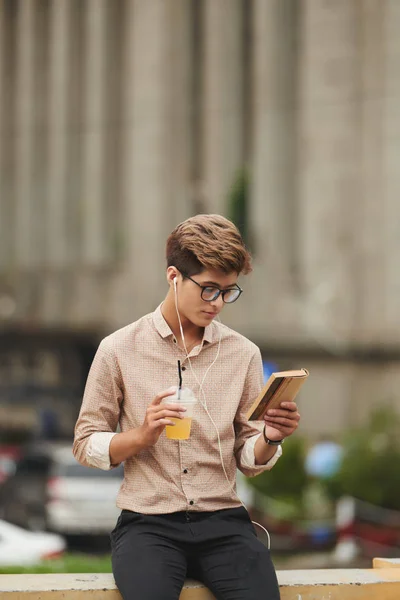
x: 19, y: 547
x: 9, y: 455
x: 51, y: 490
x: 23, y: 494
x: 81, y: 499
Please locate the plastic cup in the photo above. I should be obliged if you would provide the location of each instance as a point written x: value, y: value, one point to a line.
x: 182, y: 427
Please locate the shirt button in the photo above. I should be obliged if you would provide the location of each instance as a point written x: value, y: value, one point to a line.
x: 191, y: 503
x: 183, y: 368
x: 174, y: 341
x: 185, y: 471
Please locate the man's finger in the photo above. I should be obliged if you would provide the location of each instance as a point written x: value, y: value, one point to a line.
x: 281, y: 421
x: 167, y: 412
x: 279, y: 414
x: 158, y: 399
x: 165, y: 422
x: 178, y: 408
x: 292, y: 406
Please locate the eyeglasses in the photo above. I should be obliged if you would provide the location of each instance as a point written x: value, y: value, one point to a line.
x: 209, y: 293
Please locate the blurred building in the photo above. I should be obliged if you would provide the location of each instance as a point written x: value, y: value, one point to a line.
x: 120, y: 118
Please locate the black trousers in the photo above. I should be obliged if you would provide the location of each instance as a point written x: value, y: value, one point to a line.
x: 153, y: 554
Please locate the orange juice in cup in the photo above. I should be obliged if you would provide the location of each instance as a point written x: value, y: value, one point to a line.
x: 182, y: 427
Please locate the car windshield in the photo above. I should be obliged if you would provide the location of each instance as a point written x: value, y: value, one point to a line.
x: 77, y: 470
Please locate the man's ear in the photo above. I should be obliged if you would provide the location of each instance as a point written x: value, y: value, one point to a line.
x: 172, y: 273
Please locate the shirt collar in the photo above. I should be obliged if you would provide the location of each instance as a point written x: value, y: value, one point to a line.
x: 210, y: 332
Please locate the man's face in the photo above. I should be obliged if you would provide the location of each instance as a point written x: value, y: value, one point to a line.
x: 192, y: 306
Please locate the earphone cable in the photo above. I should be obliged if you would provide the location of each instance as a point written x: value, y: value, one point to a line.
x: 204, y: 405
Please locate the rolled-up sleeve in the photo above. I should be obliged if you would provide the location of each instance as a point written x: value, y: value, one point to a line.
x: 248, y: 457
x: 100, y: 411
x: 247, y: 432
x: 98, y: 450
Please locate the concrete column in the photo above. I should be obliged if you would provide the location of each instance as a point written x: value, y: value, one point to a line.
x: 5, y: 200
x: 273, y: 166
x: 149, y: 146
x: 40, y: 151
x: 8, y: 61
x: 369, y: 280
x: 273, y: 135
x: 272, y: 202
x: 180, y: 68
x: 25, y: 250
x: 94, y: 247
x: 328, y: 161
x: 222, y: 101
x: 390, y: 210
x: 57, y: 216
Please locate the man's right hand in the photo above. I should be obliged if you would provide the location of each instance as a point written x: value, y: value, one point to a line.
x: 129, y: 443
x: 158, y: 416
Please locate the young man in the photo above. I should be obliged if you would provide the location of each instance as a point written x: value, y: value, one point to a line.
x: 180, y: 513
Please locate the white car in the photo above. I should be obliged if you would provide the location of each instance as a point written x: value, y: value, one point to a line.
x: 19, y: 547
x: 81, y: 500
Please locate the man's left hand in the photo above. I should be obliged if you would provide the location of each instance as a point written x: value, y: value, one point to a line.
x: 281, y: 422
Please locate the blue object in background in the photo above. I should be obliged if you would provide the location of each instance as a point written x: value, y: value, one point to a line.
x: 321, y: 534
x: 48, y: 420
x: 324, y: 458
x: 268, y: 368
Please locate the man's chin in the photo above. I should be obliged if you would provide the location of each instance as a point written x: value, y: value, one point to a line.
x: 208, y: 317
x: 202, y: 319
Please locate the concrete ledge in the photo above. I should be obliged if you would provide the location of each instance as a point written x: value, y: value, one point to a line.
x: 335, y: 584
x: 386, y: 563
x: 80, y: 586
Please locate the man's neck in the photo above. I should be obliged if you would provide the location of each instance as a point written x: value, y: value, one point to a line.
x: 192, y: 332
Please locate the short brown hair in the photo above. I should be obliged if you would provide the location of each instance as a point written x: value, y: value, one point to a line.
x: 207, y: 242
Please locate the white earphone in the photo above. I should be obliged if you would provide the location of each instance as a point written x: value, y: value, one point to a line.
x: 203, y: 402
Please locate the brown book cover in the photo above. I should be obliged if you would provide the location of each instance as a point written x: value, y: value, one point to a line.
x: 281, y: 386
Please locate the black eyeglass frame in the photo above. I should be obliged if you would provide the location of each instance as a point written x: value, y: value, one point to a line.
x: 218, y: 293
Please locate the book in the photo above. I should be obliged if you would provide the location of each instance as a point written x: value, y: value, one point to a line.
x: 281, y: 386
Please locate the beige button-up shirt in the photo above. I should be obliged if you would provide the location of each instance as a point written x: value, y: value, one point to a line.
x: 130, y: 368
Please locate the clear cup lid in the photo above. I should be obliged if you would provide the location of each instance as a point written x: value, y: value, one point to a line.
x: 185, y: 395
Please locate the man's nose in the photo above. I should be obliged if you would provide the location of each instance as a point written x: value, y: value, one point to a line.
x: 218, y: 303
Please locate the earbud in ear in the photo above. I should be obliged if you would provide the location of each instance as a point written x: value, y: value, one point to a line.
x: 175, y: 283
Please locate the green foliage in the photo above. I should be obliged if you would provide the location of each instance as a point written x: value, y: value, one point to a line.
x: 70, y: 563
x: 370, y: 468
x: 288, y: 479
x: 238, y: 204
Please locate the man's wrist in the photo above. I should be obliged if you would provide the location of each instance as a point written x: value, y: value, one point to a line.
x: 271, y: 442
x: 138, y: 439
x: 126, y: 444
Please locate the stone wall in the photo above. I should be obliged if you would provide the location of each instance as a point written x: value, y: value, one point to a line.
x: 120, y: 118
x: 336, y: 584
